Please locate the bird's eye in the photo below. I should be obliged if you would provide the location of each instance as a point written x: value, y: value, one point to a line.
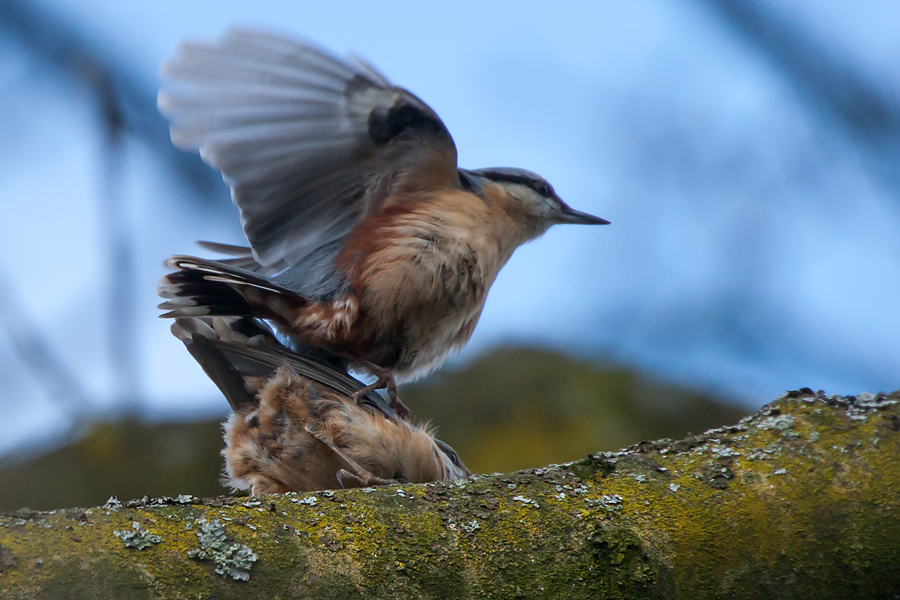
x: 542, y: 188
x: 451, y: 454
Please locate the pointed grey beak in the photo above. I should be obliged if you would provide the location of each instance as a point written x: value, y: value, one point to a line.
x: 570, y: 215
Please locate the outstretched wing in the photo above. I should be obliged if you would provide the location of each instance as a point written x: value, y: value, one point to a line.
x: 309, y: 143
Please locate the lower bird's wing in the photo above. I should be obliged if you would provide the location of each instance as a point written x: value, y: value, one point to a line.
x: 234, y: 350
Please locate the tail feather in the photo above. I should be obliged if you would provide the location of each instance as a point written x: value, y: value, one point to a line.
x: 232, y: 351
x: 230, y: 381
x: 200, y: 287
x: 227, y: 249
x: 242, y: 257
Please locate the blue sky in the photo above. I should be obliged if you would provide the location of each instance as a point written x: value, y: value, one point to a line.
x: 751, y: 249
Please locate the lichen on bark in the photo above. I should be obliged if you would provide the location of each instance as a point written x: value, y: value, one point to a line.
x: 797, y: 501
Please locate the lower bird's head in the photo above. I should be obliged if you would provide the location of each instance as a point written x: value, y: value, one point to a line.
x: 453, y: 467
x: 531, y: 199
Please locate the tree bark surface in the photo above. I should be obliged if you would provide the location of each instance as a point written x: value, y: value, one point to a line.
x: 802, y: 500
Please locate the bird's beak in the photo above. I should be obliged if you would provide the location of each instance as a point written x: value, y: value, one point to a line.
x: 570, y: 215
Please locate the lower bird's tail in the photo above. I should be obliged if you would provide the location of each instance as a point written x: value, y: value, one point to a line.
x: 241, y: 354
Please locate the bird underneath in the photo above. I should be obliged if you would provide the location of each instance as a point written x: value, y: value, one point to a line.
x: 294, y: 425
x: 366, y: 237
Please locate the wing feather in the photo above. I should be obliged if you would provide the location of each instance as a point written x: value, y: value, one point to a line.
x: 305, y: 140
x: 232, y: 350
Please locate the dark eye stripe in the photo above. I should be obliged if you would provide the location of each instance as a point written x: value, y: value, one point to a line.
x: 541, y: 187
x: 532, y: 181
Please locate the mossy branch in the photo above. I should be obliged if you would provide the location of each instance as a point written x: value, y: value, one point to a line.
x: 800, y: 501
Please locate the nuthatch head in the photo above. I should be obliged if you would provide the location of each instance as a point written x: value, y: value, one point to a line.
x: 295, y: 425
x: 536, y: 207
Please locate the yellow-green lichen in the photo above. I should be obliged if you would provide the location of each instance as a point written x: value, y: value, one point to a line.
x: 799, y: 501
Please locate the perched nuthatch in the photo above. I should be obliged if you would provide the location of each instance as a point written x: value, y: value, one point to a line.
x: 366, y: 237
x: 296, y: 425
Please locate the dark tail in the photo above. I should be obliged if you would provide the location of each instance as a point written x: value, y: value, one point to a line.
x: 201, y: 287
x: 232, y: 351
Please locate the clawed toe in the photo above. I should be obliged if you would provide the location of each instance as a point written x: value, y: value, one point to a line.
x: 363, y: 478
x: 401, y: 409
x: 386, y: 382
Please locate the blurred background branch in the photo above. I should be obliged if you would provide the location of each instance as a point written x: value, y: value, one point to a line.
x: 72, y: 53
x: 37, y: 354
x: 866, y: 112
x: 124, y: 106
x: 121, y: 325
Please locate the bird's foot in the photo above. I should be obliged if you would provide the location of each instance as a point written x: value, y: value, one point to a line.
x: 394, y: 395
x: 386, y: 382
x: 356, y: 472
x: 362, y: 477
